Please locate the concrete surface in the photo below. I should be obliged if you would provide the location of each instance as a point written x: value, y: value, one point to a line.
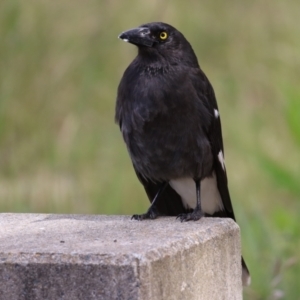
x: 113, y: 257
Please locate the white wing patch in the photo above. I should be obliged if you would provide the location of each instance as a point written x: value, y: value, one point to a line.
x: 221, y: 159
x: 211, y: 201
x: 216, y: 112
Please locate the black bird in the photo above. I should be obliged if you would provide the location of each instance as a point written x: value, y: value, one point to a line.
x: 167, y: 112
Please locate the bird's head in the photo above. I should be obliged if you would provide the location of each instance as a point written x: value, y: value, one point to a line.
x: 161, y: 40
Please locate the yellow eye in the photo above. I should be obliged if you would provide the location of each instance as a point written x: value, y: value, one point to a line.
x: 163, y: 35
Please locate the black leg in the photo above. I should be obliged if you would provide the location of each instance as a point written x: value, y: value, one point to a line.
x: 197, y: 213
x: 152, y: 211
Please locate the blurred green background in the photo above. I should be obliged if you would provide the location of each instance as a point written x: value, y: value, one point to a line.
x: 60, y: 151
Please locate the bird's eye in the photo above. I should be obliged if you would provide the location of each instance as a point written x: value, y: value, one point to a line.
x: 163, y: 35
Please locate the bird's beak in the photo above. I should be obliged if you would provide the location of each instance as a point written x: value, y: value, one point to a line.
x: 138, y: 36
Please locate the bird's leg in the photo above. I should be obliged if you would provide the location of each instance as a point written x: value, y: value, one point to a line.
x: 197, y: 213
x: 152, y: 211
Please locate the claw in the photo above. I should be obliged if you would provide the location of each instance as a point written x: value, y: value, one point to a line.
x: 193, y: 216
x: 150, y: 214
x: 138, y: 217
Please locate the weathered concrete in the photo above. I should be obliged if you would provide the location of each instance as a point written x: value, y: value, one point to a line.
x: 112, y: 257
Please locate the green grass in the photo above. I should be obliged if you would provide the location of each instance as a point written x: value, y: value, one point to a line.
x: 60, y: 151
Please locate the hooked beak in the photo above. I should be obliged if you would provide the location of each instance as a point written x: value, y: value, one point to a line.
x: 138, y: 36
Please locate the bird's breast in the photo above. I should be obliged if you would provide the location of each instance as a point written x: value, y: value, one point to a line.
x: 165, y: 148
x: 162, y: 127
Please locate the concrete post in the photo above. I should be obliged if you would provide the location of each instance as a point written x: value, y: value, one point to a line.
x: 112, y: 257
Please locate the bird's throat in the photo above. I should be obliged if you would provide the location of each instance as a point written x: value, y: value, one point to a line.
x: 154, y: 70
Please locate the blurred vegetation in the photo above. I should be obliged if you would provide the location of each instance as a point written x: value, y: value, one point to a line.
x: 60, y: 151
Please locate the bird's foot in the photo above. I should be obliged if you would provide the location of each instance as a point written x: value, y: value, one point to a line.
x: 195, y: 215
x: 152, y: 214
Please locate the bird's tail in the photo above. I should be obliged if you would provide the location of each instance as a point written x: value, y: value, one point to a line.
x: 246, y: 278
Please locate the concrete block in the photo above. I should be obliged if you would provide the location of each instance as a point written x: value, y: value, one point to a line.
x: 113, y: 257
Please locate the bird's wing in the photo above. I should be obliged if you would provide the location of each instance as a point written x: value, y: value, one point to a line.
x: 168, y: 203
x: 214, y: 134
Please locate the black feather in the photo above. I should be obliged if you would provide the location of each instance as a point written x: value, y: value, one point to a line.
x: 166, y: 112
